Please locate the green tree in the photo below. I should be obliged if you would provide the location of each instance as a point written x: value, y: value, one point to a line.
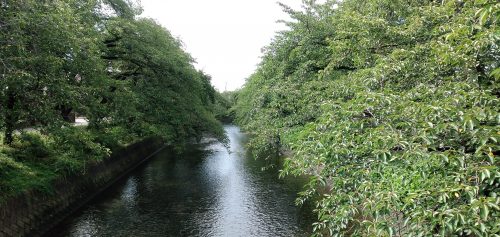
x: 100, y: 59
x: 392, y: 108
x: 49, y: 63
x: 171, y: 98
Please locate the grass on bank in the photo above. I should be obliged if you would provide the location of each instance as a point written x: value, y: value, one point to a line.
x: 35, y: 160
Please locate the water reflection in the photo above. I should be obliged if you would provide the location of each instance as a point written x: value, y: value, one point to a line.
x: 129, y: 193
x: 208, y: 191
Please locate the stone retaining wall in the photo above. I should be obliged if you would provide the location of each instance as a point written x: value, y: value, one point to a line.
x: 34, y: 213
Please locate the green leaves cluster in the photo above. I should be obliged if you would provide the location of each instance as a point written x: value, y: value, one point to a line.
x: 392, y: 108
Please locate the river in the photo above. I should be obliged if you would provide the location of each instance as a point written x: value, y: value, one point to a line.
x: 207, y: 191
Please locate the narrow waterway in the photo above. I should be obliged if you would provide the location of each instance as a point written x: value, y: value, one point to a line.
x: 207, y: 191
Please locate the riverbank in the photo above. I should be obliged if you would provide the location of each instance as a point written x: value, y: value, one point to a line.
x: 35, y: 211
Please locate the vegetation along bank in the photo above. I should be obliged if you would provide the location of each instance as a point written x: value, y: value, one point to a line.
x: 98, y: 59
x: 393, y: 106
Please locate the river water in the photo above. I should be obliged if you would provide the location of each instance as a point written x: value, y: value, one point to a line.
x: 208, y: 191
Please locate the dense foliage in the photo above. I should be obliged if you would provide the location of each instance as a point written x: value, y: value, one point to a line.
x: 224, y: 103
x: 392, y: 108
x: 127, y: 75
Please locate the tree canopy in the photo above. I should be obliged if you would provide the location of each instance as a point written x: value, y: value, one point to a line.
x: 99, y: 59
x: 391, y: 107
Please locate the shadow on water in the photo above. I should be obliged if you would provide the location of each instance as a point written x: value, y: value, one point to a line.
x: 206, y: 191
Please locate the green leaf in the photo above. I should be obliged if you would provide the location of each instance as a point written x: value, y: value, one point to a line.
x: 484, y: 211
x: 485, y: 14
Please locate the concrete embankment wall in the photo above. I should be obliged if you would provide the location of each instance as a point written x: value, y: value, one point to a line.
x: 34, y: 213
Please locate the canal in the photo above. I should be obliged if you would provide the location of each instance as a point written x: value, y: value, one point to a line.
x: 207, y: 191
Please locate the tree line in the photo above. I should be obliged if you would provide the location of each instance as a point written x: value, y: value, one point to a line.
x: 391, y: 107
x: 99, y: 59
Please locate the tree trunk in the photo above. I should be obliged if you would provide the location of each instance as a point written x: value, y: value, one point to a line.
x: 67, y: 114
x: 10, y: 120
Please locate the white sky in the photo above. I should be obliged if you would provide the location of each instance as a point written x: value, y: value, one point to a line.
x: 224, y: 36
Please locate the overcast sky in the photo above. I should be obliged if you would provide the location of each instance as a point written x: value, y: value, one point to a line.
x: 224, y: 36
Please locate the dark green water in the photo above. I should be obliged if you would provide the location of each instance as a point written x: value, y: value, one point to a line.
x: 208, y: 191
